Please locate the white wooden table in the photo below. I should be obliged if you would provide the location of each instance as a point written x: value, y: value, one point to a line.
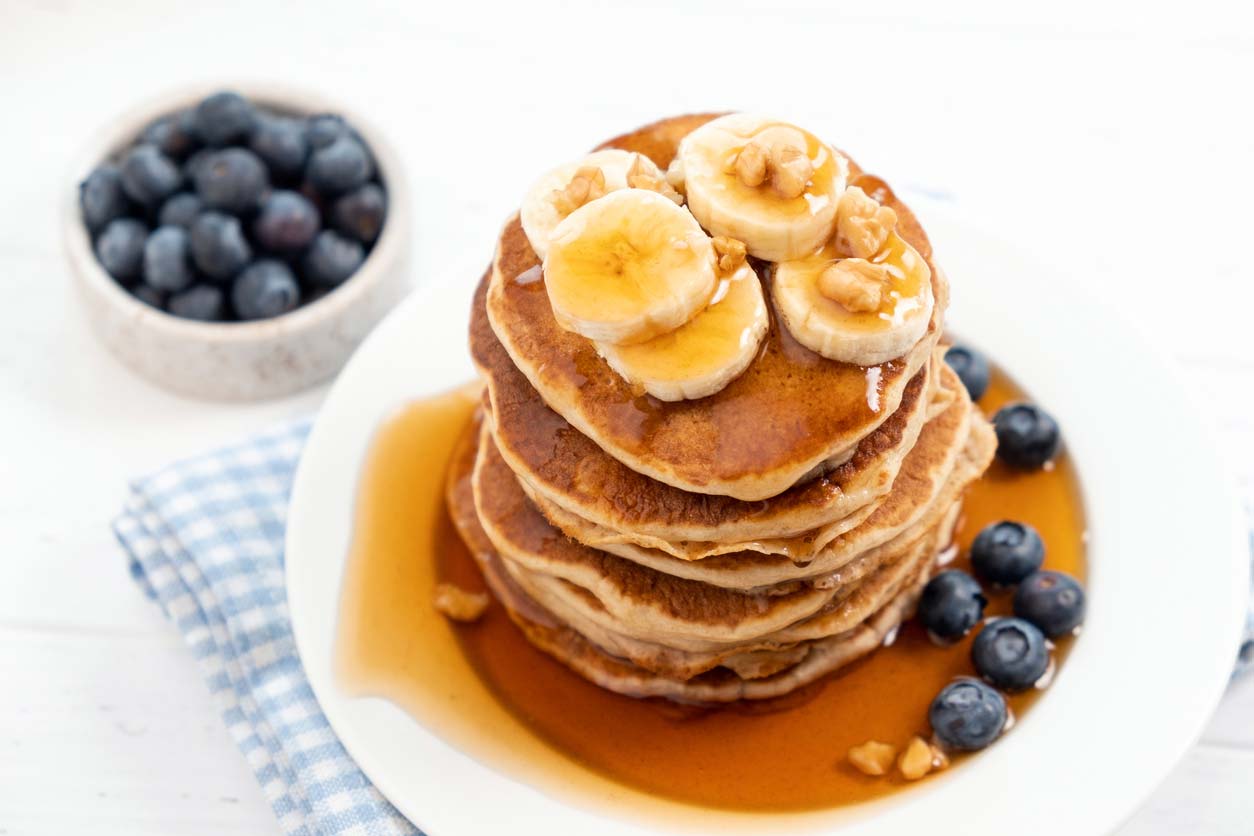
x: 1120, y: 145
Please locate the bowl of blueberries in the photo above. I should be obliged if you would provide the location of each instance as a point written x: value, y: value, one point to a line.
x: 237, y: 245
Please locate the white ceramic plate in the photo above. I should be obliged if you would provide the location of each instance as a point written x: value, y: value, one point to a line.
x: 1167, y: 583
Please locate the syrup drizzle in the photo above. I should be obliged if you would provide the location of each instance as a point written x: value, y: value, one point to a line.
x: 493, y: 695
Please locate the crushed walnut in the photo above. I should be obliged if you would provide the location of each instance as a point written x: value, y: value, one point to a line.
x: 873, y: 757
x: 862, y: 225
x: 791, y: 169
x: 855, y: 283
x: 787, y: 167
x: 729, y: 254
x: 920, y: 758
x: 639, y: 178
x: 460, y: 604
x: 587, y: 185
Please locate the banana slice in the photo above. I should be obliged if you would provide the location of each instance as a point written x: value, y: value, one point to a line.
x: 703, y: 356
x: 566, y: 188
x: 764, y: 182
x: 884, y: 306
x: 627, y: 267
x: 706, y: 354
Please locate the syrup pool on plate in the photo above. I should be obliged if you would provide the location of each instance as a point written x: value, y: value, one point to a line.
x: 484, y: 687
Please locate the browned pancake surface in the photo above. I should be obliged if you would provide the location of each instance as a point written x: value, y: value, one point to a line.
x: 571, y: 469
x: 791, y: 409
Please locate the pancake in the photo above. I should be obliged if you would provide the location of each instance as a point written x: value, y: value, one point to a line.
x: 565, y: 468
x: 929, y: 479
x: 754, y: 439
x: 580, y: 583
x: 718, y: 685
x: 804, y: 546
x: 658, y: 647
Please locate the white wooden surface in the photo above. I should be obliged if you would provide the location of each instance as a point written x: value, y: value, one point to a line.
x: 1116, y: 140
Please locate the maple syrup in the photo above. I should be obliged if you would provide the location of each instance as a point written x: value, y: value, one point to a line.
x: 487, y: 690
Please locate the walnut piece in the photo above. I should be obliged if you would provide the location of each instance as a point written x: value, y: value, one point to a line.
x: 791, y: 169
x: 920, y: 758
x: 751, y: 165
x: 862, y: 225
x: 730, y: 254
x: 787, y: 167
x: 639, y: 178
x: 873, y: 757
x: 587, y: 185
x: 460, y: 604
x: 855, y: 283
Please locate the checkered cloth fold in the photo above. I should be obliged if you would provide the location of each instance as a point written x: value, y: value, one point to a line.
x: 205, y: 540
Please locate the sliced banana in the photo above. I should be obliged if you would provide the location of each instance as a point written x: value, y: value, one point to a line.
x: 703, y: 356
x: 762, y: 181
x: 547, y: 202
x: 627, y: 267
x: 885, y: 302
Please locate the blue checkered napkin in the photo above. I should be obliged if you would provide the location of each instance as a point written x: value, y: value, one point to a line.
x: 205, y: 540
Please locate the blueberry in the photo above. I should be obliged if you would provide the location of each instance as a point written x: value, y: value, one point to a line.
x: 1027, y: 436
x: 200, y: 301
x: 218, y: 245
x: 971, y: 367
x: 1053, y: 601
x: 325, y: 128
x: 173, y: 135
x: 360, y: 213
x: 120, y: 248
x: 967, y: 714
x: 331, y: 259
x: 196, y: 162
x: 339, y: 167
x: 224, y: 118
x: 149, y: 295
x: 1010, y: 653
x: 287, y: 223
x: 951, y: 604
x: 266, y: 288
x: 282, y: 145
x: 180, y: 210
x: 1006, y: 552
x: 166, y: 262
x: 233, y: 180
x: 101, y: 196
x: 148, y: 176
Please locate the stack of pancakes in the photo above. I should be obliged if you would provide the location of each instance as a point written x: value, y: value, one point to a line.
x: 732, y: 547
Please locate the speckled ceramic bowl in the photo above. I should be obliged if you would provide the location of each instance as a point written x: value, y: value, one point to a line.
x: 241, y: 360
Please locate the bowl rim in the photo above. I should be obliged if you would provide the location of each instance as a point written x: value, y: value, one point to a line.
x: 124, y: 128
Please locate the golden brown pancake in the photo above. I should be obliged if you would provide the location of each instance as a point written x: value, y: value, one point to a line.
x: 803, y: 547
x: 927, y: 485
x: 642, y: 603
x: 565, y: 467
x: 718, y: 685
x: 754, y: 439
